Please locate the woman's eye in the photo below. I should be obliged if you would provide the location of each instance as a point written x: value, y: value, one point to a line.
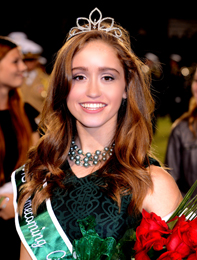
x: 108, y: 78
x: 16, y: 61
x: 78, y: 77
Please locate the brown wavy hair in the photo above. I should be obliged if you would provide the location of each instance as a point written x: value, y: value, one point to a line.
x: 18, y: 117
x: 132, y: 137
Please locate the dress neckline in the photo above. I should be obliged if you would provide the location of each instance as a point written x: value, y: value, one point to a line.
x: 67, y: 166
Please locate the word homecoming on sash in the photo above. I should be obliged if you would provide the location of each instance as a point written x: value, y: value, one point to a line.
x: 33, y: 227
x: 32, y: 230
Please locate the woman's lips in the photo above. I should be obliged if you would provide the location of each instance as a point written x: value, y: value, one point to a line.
x: 93, y: 107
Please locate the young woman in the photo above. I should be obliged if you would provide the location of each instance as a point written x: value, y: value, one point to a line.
x: 92, y: 165
x: 15, y: 134
x: 182, y: 145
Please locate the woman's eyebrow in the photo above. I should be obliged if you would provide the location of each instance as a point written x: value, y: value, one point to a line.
x: 80, y: 68
x: 108, y: 69
x: 102, y: 69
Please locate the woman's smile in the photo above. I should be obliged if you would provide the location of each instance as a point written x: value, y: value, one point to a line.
x: 95, y: 107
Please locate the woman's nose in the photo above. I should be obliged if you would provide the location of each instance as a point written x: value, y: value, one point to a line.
x: 93, y: 89
x: 22, y: 66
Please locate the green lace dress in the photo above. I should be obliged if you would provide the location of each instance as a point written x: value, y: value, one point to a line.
x: 81, y: 221
x: 85, y: 198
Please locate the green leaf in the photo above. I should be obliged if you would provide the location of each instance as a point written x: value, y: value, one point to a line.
x: 171, y: 224
x: 187, y: 206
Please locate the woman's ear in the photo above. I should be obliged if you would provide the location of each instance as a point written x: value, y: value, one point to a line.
x: 124, y: 95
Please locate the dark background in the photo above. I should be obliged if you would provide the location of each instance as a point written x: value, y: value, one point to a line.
x: 161, y: 27
x: 47, y: 23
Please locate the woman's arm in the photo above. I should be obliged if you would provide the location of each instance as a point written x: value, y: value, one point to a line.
x: 24, y: 255
x: 165, y: 196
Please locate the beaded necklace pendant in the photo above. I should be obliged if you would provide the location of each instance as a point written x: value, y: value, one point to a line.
x: 89, y: 159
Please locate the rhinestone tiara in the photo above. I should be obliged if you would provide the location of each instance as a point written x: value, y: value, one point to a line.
x: 94, y: 25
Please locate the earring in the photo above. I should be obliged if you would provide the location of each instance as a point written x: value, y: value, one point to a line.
x: 124, y: 102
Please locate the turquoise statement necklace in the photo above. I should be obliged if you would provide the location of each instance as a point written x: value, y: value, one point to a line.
x: 89, y: 159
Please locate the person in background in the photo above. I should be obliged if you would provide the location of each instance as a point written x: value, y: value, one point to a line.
x: 93, y: 161
x: 181, y: 155
x: 16, y: 137
x: 34, y: 87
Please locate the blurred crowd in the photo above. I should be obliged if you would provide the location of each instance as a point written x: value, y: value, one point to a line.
x: 23, y: 89
x: 175, y: 94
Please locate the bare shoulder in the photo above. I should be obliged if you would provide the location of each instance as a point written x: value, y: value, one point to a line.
x: 165, y: 197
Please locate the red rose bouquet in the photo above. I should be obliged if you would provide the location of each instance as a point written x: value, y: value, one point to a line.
x: 175, y: 239
x: 153, y: 239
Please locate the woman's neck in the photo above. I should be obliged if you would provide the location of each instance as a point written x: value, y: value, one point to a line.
x: 90, y: 140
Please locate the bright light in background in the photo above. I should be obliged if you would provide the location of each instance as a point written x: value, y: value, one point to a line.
x: 185, y: 71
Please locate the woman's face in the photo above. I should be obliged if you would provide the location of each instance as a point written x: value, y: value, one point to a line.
x: 98, y: 86
x: 194, y: 86
x: 12, y: 69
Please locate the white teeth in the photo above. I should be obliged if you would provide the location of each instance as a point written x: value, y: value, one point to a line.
x: 93, y: 106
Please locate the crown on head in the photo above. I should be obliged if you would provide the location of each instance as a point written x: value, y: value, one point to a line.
x: 95, y: 25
